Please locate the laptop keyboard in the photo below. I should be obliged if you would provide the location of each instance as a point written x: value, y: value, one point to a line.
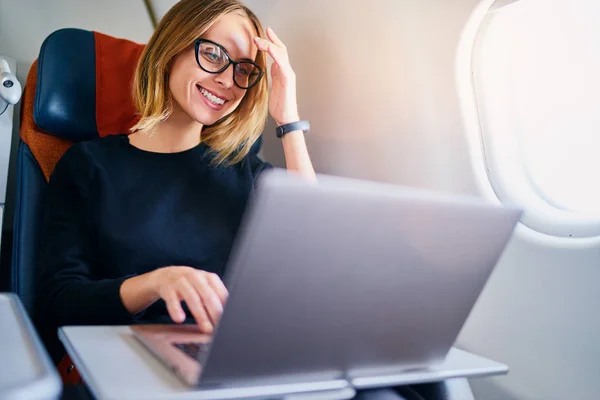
x: 194, y: 350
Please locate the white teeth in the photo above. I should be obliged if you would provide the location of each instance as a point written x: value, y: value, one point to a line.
x: 214, y: 99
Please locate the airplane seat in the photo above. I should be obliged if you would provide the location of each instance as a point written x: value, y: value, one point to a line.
x: 77, y: 89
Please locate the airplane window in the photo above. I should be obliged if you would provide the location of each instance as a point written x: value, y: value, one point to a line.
x: 536, y: 90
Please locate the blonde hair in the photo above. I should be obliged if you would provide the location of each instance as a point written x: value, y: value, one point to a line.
x: 230, y: 138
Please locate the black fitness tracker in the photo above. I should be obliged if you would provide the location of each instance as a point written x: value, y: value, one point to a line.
x: 303, y: 126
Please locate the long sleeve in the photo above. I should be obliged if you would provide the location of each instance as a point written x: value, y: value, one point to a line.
x: 69, y: 291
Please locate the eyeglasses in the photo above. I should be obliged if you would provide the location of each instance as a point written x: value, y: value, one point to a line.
x: 213, y: 58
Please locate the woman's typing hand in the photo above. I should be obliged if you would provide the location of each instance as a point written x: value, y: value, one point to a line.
x: 203, y: 292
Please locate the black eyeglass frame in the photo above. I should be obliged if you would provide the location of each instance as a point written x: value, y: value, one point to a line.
x: 235, y: 63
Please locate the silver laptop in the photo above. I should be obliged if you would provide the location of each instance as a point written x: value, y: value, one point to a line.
x: 344, y: 281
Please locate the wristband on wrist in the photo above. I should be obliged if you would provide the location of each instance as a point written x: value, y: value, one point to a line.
x: 303, y: 126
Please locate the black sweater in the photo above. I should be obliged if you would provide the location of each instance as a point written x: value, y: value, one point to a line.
x: 114, y: 211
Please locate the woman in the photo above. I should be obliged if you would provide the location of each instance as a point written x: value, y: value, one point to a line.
x: 135, y: 225
x: 131, y: 220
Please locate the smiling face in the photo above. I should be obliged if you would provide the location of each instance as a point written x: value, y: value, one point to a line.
x: 207, y: 97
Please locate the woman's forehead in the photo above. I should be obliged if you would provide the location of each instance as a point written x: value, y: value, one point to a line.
x: 235, y: 33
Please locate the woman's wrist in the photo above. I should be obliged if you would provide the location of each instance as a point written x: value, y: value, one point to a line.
x: 288, y: 119
x: 141, y: 291
x: 154, y: 280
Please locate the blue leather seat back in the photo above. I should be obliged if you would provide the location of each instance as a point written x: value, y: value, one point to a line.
x: 31, y: 189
